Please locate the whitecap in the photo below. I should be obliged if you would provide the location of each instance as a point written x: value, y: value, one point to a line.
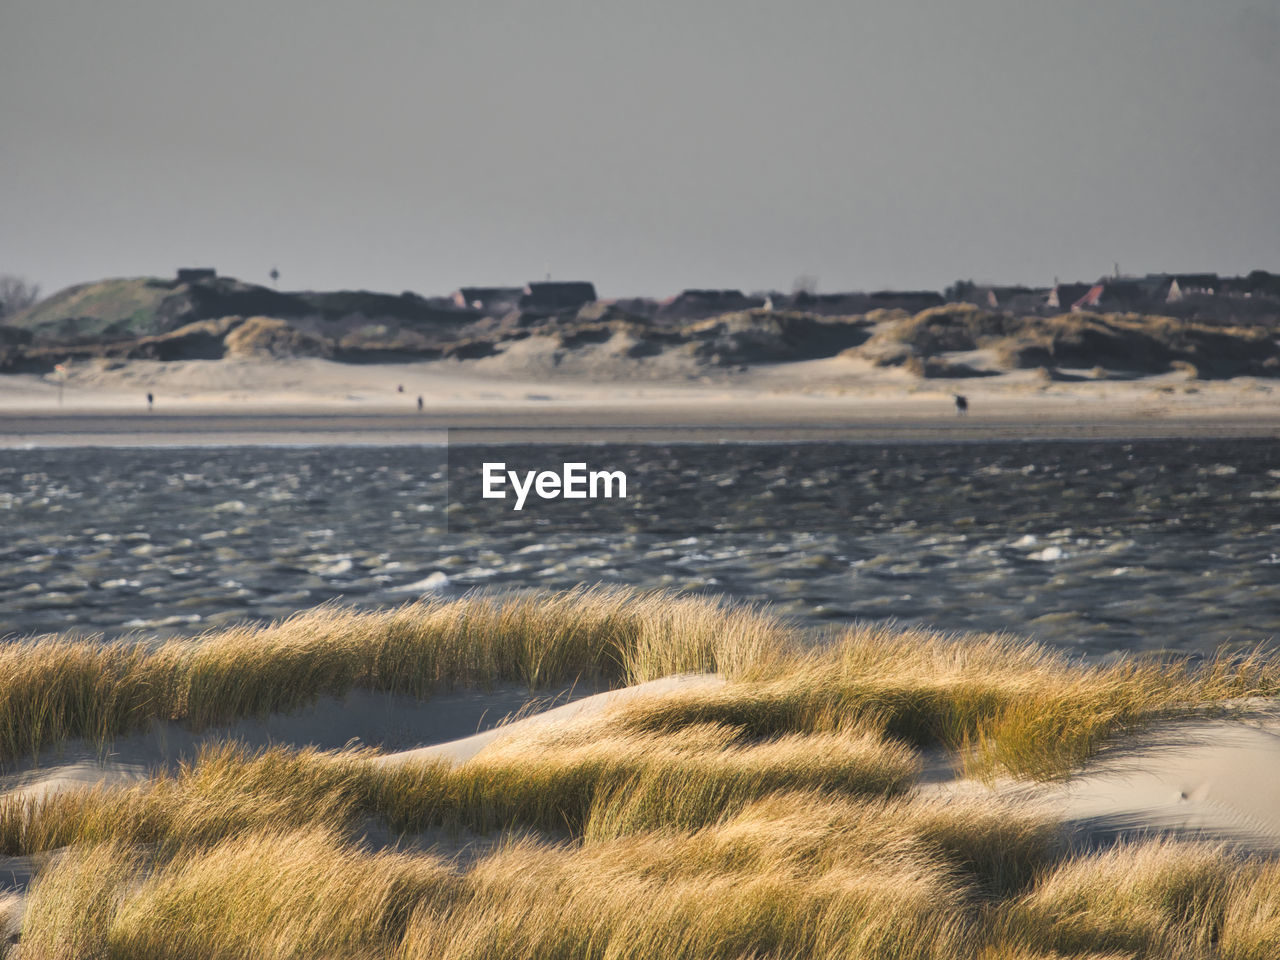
x: 436, y: 581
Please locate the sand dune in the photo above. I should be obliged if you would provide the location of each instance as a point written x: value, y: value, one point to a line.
x: 1213, y: 780
x: 463, y: 749
x: 1208, y: 779
x: 454, y: 726
x: 380, y: 720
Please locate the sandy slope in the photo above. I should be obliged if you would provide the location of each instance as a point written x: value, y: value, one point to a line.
x: 361, y: 718
x: 1212, y: 780
x: 453, y: 726
x: 462, y: 750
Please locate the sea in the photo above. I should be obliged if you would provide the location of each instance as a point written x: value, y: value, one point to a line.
x: 1098, y: 548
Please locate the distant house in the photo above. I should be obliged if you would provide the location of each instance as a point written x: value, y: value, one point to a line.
x: 913, y: 301
x: 1064, y: 296
x: 196, y: 274
x: 556, y: 297
x: 1014, y: 299
x: 1179, y: 286
x: 827, y: 304
x: 492, y: 301
x: 1033, y: 301
x: 632, y: 306
x: 697, y: 304
x: 1123, y: 294
x: 1258, y: 283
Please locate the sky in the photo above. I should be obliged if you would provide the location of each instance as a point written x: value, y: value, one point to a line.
x: 648, y: 147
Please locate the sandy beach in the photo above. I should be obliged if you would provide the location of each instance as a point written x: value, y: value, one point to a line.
x: 318, y: 401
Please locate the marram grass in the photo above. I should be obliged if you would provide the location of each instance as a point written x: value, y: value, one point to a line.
x: 773, y: 816
x: 53, y: 689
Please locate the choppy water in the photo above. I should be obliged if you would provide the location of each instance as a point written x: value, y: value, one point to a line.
x: 1093, y: 546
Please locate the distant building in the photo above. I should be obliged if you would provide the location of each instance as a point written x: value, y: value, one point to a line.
x: 556, y: 297
x: 1014, y: 299
x: 826, y: 304
x: 1125, y: 294
x: 492, y: 301
x: 1258, y: 283
x: 912, y: 301
x: 638, y: 307
x: 196, y: 274
x: 698, y: 304
x: 1179, y: 286
x: 1064, y: 296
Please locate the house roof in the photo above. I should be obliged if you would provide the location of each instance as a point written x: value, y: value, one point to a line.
x: 489, y: 293
x: 558, y: 294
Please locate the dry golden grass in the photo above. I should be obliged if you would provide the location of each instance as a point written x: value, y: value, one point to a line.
x: 519, y: 783
x: 770, y: 817
x: 1004, y: 704
x: 1134, y: 343
x: 1164, y: 899
x: 54, y: 690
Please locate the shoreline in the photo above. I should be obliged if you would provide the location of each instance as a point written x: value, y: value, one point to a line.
x: 511, y: 425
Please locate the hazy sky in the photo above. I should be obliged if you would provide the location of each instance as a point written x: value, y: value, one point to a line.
x: 647, y: 146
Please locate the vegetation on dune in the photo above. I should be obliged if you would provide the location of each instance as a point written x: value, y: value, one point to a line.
x: 1131, y: 343
x: 272, y: 337
x: 150, y: 318
x: 55, y: 689
x: 795, y: 875
x: 771, y: 816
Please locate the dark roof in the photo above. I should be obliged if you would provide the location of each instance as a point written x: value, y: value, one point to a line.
x: 1123, y: 293
x: 1199, y: 281
x: 710, y: 295
x: 1067, y: 294
x: 489, y: 293
x: 495, y: 299
x: 994, y: 297
x: 695, y: 304
x: 908, y: 299
x: 557, y: 295
x: 1258, y: 282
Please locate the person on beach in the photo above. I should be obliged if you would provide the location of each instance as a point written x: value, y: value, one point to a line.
x: 419, y: 404
x: 150, y: 402
x: 962, y: 405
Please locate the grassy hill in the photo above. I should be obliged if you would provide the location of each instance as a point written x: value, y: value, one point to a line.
x: 133, y: 307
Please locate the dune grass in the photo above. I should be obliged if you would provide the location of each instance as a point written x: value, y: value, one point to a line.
x: 1003, y: 704
x: 771, y: 816
x: 516, y: 784
x: 54, y: 690
x: 795, y: 875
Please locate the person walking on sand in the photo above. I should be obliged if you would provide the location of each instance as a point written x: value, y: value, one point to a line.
x: 419, y: 404
x: 150, y: 402
x: 962, y: 405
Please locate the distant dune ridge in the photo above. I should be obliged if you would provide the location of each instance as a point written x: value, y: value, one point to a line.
x: 209, y: 317
x: 884, y: 793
